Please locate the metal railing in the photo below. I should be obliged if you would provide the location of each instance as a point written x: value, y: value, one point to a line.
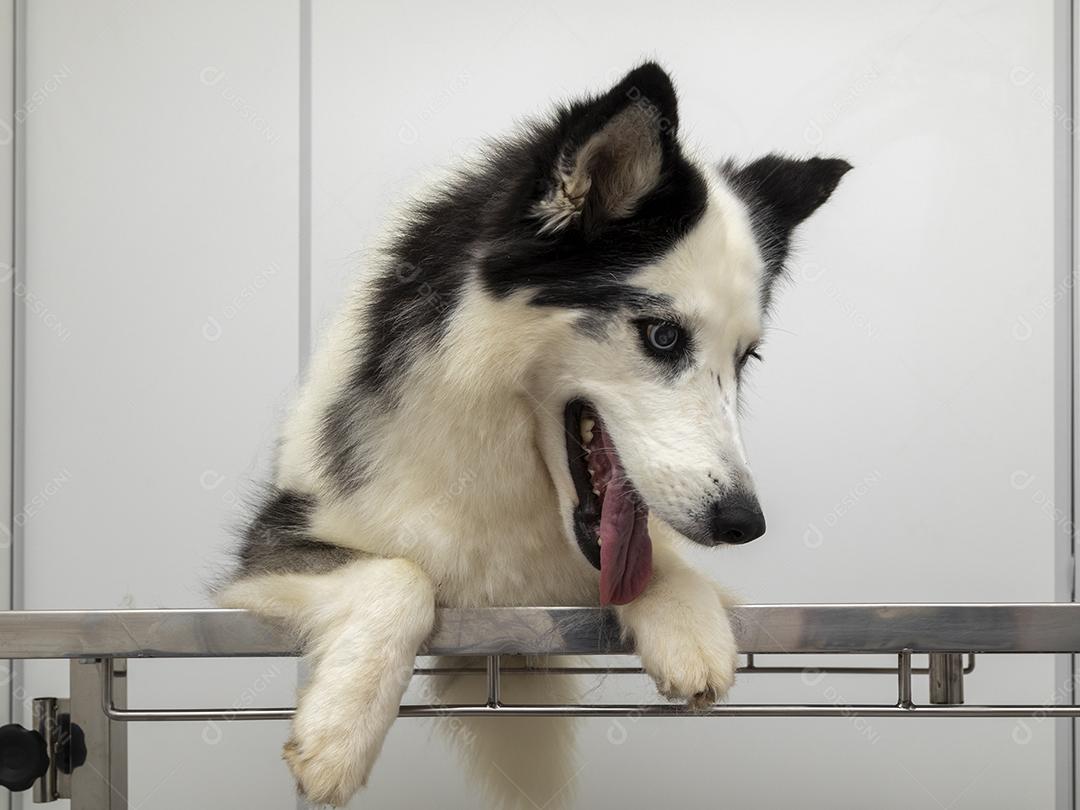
x: 946, y: 632
x: 99, y: 643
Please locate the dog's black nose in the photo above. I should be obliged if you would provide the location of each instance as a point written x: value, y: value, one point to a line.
x: 737, y: 520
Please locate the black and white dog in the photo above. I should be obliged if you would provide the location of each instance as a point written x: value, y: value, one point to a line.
x: 528, y: 401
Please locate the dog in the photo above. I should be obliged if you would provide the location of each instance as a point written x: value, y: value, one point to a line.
x: 529, y: 399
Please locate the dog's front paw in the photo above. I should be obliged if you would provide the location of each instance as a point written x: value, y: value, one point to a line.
x: 326, y: 762
x: 695, y: 663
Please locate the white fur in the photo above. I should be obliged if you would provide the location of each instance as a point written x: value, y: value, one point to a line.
x: 470, y: 499
x: 697, y: 662
x: 516, y: 762
x: 365, y: 622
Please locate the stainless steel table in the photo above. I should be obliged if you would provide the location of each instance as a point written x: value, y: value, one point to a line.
x: 99, y: 642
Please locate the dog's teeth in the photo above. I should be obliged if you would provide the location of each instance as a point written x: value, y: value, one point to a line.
x: 587, y: 426
x: 595, y: 491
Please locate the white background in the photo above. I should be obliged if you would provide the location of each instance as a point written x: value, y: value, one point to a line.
x: 901, y: 427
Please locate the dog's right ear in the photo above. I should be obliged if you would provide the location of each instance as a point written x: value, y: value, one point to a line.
x: 611, y: 151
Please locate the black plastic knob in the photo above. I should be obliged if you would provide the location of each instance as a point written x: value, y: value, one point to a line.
x: 70, y: 745
x: 23, y: 757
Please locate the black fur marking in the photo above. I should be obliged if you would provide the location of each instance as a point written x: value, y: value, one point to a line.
x: 587, y: 264
x: 596, y: 323
x: 412, y: 301
x: 781, y: 192
x: 278, y: 540
x: 485, y: 221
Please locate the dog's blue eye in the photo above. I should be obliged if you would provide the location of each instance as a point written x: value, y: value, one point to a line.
x: 663, y: 336
x: 666, y: 342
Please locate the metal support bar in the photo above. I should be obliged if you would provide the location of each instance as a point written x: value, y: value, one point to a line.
x: 493, y: 682
x: 904, y: 630
x: 903, y: 707
x: 781, y: 629
x: 751, y: 667
x: 101, y: 782
x: 903, y: 674
x: 946, y: 678
x: 46, y: 718
x: 494, y: 705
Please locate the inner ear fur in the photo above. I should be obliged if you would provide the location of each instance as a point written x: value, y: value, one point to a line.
x: 614, y: 156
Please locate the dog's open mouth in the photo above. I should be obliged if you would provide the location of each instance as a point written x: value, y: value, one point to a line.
x: 611, y: 520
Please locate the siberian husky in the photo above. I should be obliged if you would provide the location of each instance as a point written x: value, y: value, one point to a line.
x: 528, y: 400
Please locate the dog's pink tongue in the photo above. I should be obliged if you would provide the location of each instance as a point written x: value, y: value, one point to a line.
x: 625, y: 546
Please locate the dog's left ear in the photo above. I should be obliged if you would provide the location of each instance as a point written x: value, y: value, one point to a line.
x: 612, y: 151
x: 781, y: 192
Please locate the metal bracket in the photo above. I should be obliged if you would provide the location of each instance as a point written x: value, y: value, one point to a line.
x: 946, y: 671
x: 54, y: 783
x: 87, y: 751
x: 101, y: 783
x: 947, y: 678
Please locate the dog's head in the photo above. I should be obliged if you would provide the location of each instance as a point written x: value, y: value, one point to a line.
x: 661, y: 270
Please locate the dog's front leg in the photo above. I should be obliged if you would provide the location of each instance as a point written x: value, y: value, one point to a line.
x: 681, y: 631
x: 363, y: 624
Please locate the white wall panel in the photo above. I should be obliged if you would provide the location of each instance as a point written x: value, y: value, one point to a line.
x: 161, y: 247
